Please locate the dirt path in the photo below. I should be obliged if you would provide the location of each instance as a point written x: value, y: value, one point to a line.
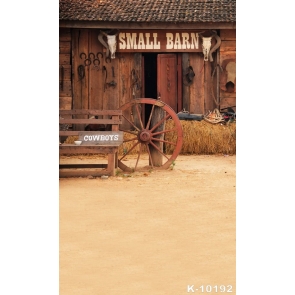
x: 160, y: 232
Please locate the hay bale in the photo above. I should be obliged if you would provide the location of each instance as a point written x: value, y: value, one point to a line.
x: 201, y: 137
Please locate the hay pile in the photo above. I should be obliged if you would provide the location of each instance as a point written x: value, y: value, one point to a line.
x: 199, y: 137
x: 71, y: 139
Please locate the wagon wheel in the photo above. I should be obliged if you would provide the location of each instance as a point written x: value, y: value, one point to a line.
x: 153, y: 131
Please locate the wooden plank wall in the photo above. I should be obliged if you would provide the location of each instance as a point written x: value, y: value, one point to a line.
x: 93, y: 90
x: 125, y: 71
x: 197, y: 96
x: 227, y: 55
x: 65, y: 69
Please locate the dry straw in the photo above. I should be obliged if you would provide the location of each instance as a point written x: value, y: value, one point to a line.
x: 201, y: 137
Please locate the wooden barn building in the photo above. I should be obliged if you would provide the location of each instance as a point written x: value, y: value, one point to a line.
x: 181, y: 52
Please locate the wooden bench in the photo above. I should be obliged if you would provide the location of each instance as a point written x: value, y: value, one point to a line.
x: 73, y: 123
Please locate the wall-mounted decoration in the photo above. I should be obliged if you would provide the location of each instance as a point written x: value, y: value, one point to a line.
x: 228, y: 76
x: 111, y: 44
x: 188, y: 77
x: 206, y: 45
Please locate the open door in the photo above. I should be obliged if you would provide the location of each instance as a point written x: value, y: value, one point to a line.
x: 167, y: 79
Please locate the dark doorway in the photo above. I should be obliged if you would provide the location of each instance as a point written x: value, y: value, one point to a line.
x: 150, y: 80
x: 162, y: 79
x: 150, y: 75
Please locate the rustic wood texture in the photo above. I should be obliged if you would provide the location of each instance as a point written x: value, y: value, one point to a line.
x: 92, y: 112
x: 228, y: 35
x: 227, y: 55
x: 228, y: 46
x: 179, y: 83
x: 99, y: 147
x: 167, y: 79
x: 196, y: 90
x: 65, y: 69
x: 65, y: 103
x: 86, y: 149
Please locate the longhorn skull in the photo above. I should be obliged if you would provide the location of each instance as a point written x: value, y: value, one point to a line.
x: 206, y: 45
x: 111, y: 43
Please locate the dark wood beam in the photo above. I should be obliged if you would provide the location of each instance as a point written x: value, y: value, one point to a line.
x: 139, y: 25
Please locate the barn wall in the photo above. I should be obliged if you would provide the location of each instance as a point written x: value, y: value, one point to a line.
x: 227, y: 62
x: 89, y: 80
x: 65, y: 69
x: 98, y: 82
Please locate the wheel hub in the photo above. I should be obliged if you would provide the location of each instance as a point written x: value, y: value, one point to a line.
x: 144, y: 136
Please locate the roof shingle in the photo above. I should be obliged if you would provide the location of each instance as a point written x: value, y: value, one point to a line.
x: 176, y: 11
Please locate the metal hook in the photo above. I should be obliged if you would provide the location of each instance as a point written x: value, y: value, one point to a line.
x: 87, y: 62
x: 98, y: 62
x: 91, y: 53
x: 82, y: 54
x: 99, y: 53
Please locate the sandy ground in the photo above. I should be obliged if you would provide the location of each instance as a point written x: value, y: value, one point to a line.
x: 151, y: 232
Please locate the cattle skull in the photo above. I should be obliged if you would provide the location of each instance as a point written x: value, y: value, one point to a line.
x: 206, y: 45
x: 111, y: 43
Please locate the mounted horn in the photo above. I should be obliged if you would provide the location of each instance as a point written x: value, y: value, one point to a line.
x: 216, y: 46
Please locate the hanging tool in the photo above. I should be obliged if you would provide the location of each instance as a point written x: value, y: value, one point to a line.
x: 106, y: 76
x: 81, y: 72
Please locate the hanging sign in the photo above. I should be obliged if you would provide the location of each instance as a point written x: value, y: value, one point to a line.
x: 159, y: 41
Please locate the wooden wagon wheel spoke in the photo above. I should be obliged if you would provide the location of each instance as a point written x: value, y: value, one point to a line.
x: 151, y: 114
x: 131, y: 123
x: 145, y: 121
x: 158, y: 149
x: 159, y: 123
x: 150, y: 156
x: 139, y: 116
x: 164, y: 131
x: 138, y: 156
x: 130, y: 150
x: 166, y: 141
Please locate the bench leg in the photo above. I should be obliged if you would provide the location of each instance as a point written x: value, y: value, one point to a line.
x: 116, y: 160
x: 111, y: 164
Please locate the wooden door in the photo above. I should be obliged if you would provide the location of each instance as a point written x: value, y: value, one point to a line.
x: 167, y: 79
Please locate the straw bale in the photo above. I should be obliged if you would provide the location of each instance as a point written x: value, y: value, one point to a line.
x: 201, y: 137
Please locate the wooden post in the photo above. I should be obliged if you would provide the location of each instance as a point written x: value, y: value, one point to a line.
x: 157, y: 157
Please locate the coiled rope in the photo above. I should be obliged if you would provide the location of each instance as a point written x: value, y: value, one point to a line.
x: 214, y: 117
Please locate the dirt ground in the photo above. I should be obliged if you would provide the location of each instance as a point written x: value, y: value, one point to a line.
x: 151, y: 232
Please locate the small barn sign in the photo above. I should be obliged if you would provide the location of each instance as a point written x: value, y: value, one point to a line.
x: 159, y: 41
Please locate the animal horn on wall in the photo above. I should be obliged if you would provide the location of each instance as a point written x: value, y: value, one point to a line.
x: 217, y: 45
x: 101, y: 40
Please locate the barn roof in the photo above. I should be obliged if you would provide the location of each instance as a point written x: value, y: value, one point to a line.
x: 171, y: 11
